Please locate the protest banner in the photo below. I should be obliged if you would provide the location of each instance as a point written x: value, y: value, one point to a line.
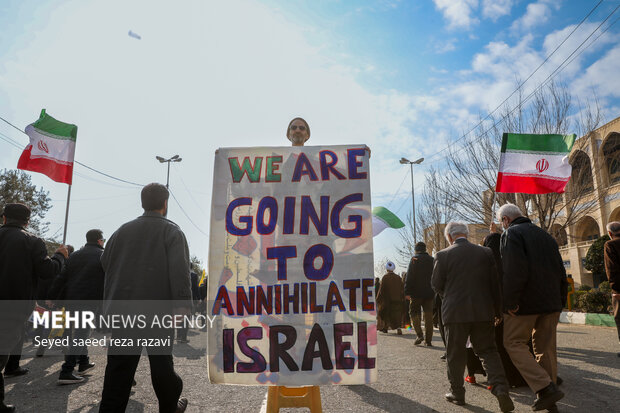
x: 291, y: 283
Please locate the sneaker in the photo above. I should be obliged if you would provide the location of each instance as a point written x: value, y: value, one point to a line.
x: 547, y: 397
x: 444, y: 357
x: 85, y: 368
x: 6, y: 408
x: 69, y: 378
x: 428, y: 344
x: 470, y: 379
x: 181, y: 405
x: 418, y: 341
x: 459, y: 401
x: 505, y: 402
x: 20, y: 371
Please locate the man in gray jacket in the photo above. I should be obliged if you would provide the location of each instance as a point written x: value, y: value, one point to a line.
x: 465, y: 276
x: 146, y: 259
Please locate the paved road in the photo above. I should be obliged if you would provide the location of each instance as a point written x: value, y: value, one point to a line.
x: 411, y: 379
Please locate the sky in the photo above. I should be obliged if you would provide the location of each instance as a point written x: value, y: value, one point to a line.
x: 406, y: 78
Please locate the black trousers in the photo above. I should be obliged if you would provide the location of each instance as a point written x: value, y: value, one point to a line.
x: 10, y: 337
x: 121, y: 368
x: 482, y: 336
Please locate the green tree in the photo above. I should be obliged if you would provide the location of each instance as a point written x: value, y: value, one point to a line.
x: 595, y: 261
x: 16, y: 186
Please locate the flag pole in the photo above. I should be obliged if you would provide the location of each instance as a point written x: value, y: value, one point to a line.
x: 64, y: 235
x: 493, y: 207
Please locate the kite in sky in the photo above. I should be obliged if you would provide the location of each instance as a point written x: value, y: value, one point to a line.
x: 134, y: 35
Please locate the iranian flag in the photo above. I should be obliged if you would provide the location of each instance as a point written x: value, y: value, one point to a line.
x: 51, y: 149
x: 534, y: 164
x: 383, y: 218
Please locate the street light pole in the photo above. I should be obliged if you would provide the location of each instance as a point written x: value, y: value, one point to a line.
x: 405, y: 161
x: 175, y: 158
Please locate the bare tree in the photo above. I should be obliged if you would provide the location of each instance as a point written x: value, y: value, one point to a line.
x: 380, y: 267
x: 471, y: 168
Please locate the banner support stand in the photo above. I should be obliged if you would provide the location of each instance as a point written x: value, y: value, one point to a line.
x: 64, y: 235
x: 279, y: 397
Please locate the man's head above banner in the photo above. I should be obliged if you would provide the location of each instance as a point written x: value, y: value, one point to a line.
x: 298, y: 131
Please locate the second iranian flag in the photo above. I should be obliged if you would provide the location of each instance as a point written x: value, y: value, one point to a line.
x: 534, y: 164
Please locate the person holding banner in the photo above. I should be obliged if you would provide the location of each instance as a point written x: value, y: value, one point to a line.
x: 535, y: 289
x: 23, y: 260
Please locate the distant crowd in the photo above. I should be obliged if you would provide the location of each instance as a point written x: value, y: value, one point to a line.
x: 496, y: 306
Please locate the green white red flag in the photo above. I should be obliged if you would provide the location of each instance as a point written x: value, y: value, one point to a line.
x: 51, y: 149
x: 534, y: 164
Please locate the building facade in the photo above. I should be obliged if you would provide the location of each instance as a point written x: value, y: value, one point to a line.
x: 596, y: 167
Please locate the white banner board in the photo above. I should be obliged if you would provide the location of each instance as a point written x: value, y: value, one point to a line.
x: 291, y: 284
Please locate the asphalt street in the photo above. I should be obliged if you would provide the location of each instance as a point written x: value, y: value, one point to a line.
x: 411, y: 379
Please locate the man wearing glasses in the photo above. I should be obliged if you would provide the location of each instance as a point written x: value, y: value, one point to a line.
x: 298, y: 132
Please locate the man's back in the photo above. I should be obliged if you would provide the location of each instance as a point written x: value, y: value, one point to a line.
x: 418, y: 282
x: 23, y: 259
x: 147, y: 259
x: 465, y: 276
x: 82, y: 276
x: 612, y: 263
x: 534, y: 275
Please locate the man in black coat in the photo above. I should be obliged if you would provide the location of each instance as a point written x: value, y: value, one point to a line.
x: 146, y: 264
x: 81, y: 286
x: 420, y: 294
x: 535, y: 289
x: 23, y: 260
x: 465, y: 276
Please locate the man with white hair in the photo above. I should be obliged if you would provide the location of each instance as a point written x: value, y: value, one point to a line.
x: 465, y: 276
x: 612, y: 268
x: 535, y: 289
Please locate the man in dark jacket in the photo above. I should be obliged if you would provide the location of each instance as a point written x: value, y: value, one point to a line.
x: 465, y: 276
x: 146, y: 259
x: 612, y: 268
x: 81, y: 285
x: 23, y: 260
x: 419, y: 292
x: 535, y: 289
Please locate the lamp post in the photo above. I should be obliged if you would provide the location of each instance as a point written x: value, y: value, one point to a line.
x: 405, y: 161
x: 175, y: 158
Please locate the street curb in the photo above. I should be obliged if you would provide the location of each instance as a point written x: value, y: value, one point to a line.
x: 590, y: 319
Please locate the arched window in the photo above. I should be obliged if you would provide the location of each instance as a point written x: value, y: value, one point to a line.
x: 611, y: 153
x: 615, y: 215
x: 587, y: 229
x: 581, y: 176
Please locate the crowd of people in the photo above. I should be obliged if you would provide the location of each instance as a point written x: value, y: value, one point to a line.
x: 496, y: 305
x: 145, y: 259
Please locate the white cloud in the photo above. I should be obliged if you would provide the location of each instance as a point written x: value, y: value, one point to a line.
x: 459, y: 13
x: 536, y: 14
x: 446, y: 46
x: 494, y: 9
x: 601, y: 76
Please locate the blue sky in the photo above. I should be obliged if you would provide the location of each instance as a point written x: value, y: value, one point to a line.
x: 404, y: 77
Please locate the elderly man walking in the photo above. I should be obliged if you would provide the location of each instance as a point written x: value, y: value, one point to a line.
x: 535, y: 291
x: 612, y: 268
x: 465, y: 276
